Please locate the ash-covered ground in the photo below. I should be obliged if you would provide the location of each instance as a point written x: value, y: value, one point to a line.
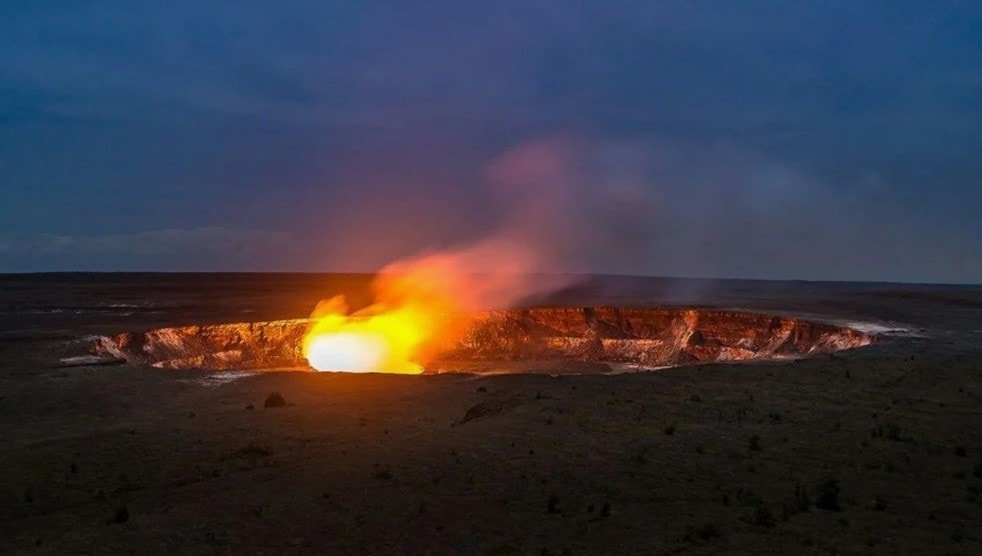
x: 873, y: 450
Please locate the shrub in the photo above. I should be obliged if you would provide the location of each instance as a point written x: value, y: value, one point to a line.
x: 250, y: 451
x: 553, y: 505
x: 828, y: 496
x: 122, y: 515
x: 755, y: 443
x: 801, y: 500
x: 703, y: 533
x: 763, y: 517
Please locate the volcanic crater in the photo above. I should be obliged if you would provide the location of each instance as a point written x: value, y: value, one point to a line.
x: 584, y: 339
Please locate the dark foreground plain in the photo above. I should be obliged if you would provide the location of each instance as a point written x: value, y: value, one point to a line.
x: 873, y: 450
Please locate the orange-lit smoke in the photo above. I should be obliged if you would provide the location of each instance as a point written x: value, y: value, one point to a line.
x: 420, y: 301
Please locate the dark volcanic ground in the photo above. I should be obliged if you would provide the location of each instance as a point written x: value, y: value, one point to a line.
x: 876, y: 450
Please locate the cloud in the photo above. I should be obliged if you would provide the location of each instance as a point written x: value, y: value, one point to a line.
x: 207, y: 248
x: 665, y: 207
x: 742, y: 144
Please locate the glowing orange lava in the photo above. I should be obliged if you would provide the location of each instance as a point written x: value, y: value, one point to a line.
x: 413, y: 308
x: 420, y: 305
x: 374, y: 340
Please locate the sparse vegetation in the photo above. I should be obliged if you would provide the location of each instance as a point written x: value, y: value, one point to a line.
x: 384, y: 474
x: 763, y: 517
x: 890, y: 431
x: 748, y: 498
x: 250, y: 451
x: 703, y: 533
x: 122, y: 514
x: 552, y: 506
x: 827, y: 497
x: 376, y: 447
x: 754, y: 444
x: 802, y: 502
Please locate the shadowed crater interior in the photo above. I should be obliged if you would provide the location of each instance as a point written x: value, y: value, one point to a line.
x: 518, y: 340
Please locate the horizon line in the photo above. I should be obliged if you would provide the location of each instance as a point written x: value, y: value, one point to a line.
x: 585, y: 274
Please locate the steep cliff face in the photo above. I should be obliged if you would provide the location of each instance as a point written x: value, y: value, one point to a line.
x: 646, y: 337
x: 642, y: 337
x: 250, y: 345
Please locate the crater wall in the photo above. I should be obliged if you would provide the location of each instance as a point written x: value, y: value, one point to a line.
x: 645, y: 337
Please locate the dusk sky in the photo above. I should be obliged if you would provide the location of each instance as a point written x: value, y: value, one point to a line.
x: 793, y: 140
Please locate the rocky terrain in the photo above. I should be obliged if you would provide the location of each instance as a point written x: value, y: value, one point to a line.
x: 876, y: 449
x: 647, y: 338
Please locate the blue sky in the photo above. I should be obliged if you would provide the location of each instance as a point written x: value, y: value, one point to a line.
x: 814, y: 140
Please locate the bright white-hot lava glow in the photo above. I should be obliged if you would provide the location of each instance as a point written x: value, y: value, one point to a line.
x: 381, y: 338
x: 347, y: 351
